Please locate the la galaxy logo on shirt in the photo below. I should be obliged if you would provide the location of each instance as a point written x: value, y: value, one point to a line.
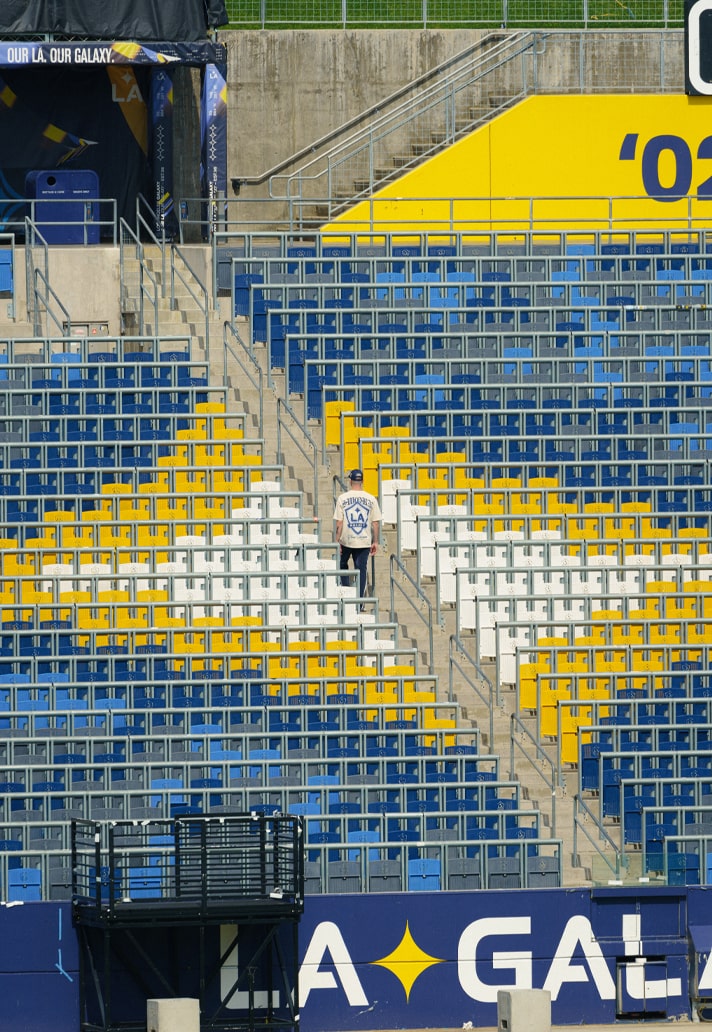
x: 356, y: 515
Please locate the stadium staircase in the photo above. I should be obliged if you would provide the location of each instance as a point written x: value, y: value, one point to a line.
x: 399, y: 133
x: 175, y: 301
x: 261, y: 392
x: 531, y: 766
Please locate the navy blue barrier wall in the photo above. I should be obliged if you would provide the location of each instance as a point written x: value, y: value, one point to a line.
x: 425, y: 959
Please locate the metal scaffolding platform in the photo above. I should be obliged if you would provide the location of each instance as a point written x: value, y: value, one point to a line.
x: 202, y: 907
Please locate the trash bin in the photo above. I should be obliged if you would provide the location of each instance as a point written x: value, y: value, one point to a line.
x: 66, y: 209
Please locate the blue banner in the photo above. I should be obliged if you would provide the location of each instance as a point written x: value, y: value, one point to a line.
x: 408, y: 960
x: 43, y: 55
x: 162, y: 152
x: 420, y: 960
x: 213, y: 129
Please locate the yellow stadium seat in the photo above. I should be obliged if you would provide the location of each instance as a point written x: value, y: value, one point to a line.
x: 572, y: 661
x: 47, y: 538
x: 648, y: 609
x: 353, y: 434
x: 528, y: 683
x: 114, y: 536
x: 550, y: 692
x: 18, y: 564
x: 116, y: 488
x: 151, y: 535
x: 332, y: 420
x: 571, y: 719
x: 665, y: 634
x: 647, y: 660
x: 613, y: 660
x: 153, y: 595
x: 188, y: 482
x: 171, y: 509
x: 627, y: 633
x: 134, y: 510
x: 32, y: 596
x: 160, y: 485
x: 131, y: 617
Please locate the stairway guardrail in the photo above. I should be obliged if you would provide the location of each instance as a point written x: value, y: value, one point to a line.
x: 145, y: 291
x: 197, y: 290
x: 351, y: 166
x: 490, y: 697
x: 416, y: 595
x: 539, y: 761
x: 376, y: 109
x: 145, y: 218
x: 308, y: 452
x: 40, y: 294
x: 249, y: 366
x: 584, y: 819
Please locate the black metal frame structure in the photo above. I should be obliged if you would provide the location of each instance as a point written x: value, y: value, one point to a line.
x: 149, y: 899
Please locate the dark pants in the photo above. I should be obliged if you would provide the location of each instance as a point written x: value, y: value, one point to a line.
x: 360, y: 558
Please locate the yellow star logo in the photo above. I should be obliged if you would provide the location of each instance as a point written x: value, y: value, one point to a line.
x: 407, y: 961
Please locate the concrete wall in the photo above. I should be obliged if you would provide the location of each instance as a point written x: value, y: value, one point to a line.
x: 286, y: 89
x: 85, y: 279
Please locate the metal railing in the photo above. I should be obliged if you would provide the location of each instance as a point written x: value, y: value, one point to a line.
x: 42, y: 299
x: 426, y: 14
x: 307, y: 448
x: 537, y: 759
x: 584, y: 824
x: 427, y: 121
x: 145, y: 223
x: 249, y: 366
x: 416, y: 595
x: 141, y: 287
x: 182, y: 272
x: 490, y: 697
x: 377, y: 111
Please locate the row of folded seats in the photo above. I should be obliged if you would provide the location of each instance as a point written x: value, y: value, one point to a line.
x: 54, y: 352
x: 483, y: 331
x: 276, y: 312
x: 516, y: 254
x: 460, y: 801
x: 138, y: 878
x: 306, y: 275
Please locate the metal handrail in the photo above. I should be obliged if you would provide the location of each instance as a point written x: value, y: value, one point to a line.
x: 33, y: 237
x: 440, y: 97
x: 150, y: 291
x: 202, y: 301
x: 310, y: 457
x: 250, y: 367
x: 375, y: 109
x: 65, y: 327
x: 616, y: 867
x: 539, y: 754
x: 37, y: 279
x: 416, y: 595
x: 50, y: 293
x: 143, y: 222
x: 491, y: 699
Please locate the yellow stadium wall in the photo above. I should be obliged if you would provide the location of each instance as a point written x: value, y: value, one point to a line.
x: 560, y: 163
